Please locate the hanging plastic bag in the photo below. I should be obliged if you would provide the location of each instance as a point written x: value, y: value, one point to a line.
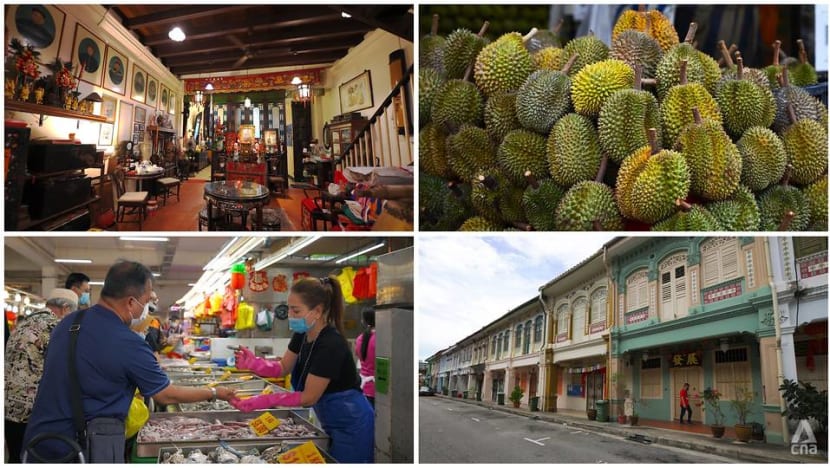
x: 137, y: 416
x: 245, y: 319
x: 373, y: 280
x: 346, y: 280
x: 264, y: 320
x: 361, y: 284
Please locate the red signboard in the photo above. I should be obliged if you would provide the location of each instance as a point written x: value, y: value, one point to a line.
x: 597, y: 327
x: 813, y: 265
x: 720, y: 293
x: 258, y: 82
x: 634, y: 317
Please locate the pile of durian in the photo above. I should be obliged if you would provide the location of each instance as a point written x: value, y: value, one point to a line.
x: 647, y: 133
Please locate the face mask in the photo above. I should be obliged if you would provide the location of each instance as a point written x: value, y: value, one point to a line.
x: 84, y: 299
x: 134, y: 322
x: 299, y: 325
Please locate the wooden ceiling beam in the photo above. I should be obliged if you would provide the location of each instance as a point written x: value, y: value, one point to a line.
x: 381, y: 17
x: 177, y: 15
x: 285, y: 18
x: 256, y: 63
x: 181, y: 61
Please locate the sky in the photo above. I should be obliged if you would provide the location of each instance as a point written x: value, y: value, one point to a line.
x: 467, y: 281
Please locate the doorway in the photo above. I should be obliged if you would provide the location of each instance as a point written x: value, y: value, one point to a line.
x: 301, y: 123
x: 694, y: 376
x: 594, y: 385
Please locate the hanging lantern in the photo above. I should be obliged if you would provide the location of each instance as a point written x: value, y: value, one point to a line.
x: 238, y: 276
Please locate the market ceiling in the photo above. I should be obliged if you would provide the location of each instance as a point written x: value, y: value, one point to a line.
x: 245, y: 37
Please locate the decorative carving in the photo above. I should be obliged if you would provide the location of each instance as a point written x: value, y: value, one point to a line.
x: 715, y: 243
x: 767, y: 319
x: 673, y: 261
x: 695, y: 292
x: 636, y: 276
x: 750, y: 269
x: 786, y: 254
x: 722, y: 292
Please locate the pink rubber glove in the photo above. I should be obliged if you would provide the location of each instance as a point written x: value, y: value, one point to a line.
x: 245, y: 360
x: 290, y: 399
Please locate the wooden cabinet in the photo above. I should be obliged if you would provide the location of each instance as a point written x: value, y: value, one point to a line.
x: 343, y: 132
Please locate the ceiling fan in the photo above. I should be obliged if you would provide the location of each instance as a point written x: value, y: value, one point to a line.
x: 248, y: 52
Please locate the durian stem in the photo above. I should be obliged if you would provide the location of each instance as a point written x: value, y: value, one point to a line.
x: 785, y: 77
x: 597, y: 225
x: 483, y: 28
x: 785, y: 180
x: 468, y: 72
x: 727, y: 59
x: 683, y: 205
x: 489, y: 182
x: 453, y: 186
x: 785, y: 223
x: 690, y: 34
x: 740, y: 68
x: 776, y: 51
x: 529, y: 35
x: 559, y: 26
x: 683, y: 65
x: 603, y: 166
x: 791, y: 112
x: 641, y: 8
x: 434, y: 30
x: 649, y: 81
x: 638, y: 77
x: 652, y: 140
x: 531, y: 179
x: 522, y: 226
x: 648, y: 24
x: 802, y: 52
x: 570, y: 63
x: 696, y: 115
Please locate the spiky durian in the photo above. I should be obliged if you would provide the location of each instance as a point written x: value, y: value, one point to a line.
x: 461, y: 49
x: 470, y: 151
x: 738, y: 213
x: 505, y: 64
x: 764, y: 158
x: 714, y: 161
x: 430, y: 83
x: 805, y: 142
x: 431, y: 49
x: 676, y: 108
x: 652, y: 22
x: 432, y: 152
x: 637, y: 48
x: 744, y: 104
x: 689, y: 218
x: 700, y: 69
x: 540, y: 201
x: 589, y: 50
x: 596, y: 82
x: 456, y: 103
x: 783, y: 208
x: 543, y: 99
x: 500, y: 115
x: 624, y: 120
x: 650, y: 181
x: 573, y: 151
x: 479, y: 223
x: 816, y: 196
x: 522, y: 151
x: 549, y: 58
x: 588, y: 206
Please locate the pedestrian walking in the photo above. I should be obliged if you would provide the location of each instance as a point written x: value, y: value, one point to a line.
x: 684, y: 403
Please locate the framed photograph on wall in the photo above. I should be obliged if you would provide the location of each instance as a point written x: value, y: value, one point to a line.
x: 39, y: 25
x: 115, y: 75
x: 152, y: 92
x: 171, y: 103
x: 270, y: 137
x: 356, y: 94
x: 105, y: 135
x: 88, y: 51
x: 165, y: 95
x: 138, y: 88
x: 108, y: 107
x: 140, y: 116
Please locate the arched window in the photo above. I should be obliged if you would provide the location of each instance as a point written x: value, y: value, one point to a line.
x: 562, y: 321
x: 598, y: 306
x: 580, y: 310
x: 636, y: 291
x: 518, y: 336
x: 538, y: 329
x: 506, y: 344
x: 528, y: 326
x: 674, y: 301
x: 719, y: 260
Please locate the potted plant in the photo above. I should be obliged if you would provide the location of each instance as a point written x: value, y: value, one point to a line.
x: 806, y: 403
x: 742, y: 404
x: 634, y: 419
x: 516, y: 396
x: 711, y: 400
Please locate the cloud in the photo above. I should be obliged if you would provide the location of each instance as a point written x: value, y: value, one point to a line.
x: 467, y: 281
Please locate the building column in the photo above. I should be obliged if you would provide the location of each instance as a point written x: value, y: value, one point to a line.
x: 48, y: 281
x: 487, y: 387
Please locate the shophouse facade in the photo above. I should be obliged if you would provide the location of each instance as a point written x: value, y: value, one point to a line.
x: 577, y: 308
x: 516, y: 353
x: 693, y: 310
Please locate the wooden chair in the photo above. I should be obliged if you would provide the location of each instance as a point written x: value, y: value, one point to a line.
x: 217, y: 167
x: 128, y: 203
x: 166, y: 185
x: 276, y: 181
x: 313, y: 209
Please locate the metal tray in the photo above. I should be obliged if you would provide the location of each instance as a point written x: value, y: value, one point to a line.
x: 242, y: 391
x: 243, y: 447
x: 151, y: 449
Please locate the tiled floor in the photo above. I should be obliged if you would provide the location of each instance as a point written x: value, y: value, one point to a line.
x: 183, y: 215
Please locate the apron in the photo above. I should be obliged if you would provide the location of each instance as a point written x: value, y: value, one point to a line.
x: 348, y: 418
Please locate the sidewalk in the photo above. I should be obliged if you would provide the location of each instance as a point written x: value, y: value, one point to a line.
x: 695, y: 437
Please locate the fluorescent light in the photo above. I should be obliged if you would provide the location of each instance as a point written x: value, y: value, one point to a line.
x: 345, y: 15
x: 367, y: 249
x: 211, y: 264
x: 176, y: 34
x: 156, y: 274
x: 144, y: 239
x: 71, y: 260
x: 96, y: 283
x: 191, y: 284
x: 285, y: 252
x: 296, y: 80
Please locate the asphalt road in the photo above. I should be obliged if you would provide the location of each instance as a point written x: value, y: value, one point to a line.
x: 454, y: 432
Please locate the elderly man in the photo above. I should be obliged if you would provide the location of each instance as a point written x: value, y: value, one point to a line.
x: 25, y: 353
x: 111, y: 362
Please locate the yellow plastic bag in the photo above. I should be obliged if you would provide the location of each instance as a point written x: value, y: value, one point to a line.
x: 346, y: 280
x: 137, y: 416
x: 245, y: 316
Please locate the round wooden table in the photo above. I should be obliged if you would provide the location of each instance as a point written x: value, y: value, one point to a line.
x: 237, y: 196
x: 140, y: 177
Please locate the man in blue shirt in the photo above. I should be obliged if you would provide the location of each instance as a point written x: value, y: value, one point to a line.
x: 112, y: 362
